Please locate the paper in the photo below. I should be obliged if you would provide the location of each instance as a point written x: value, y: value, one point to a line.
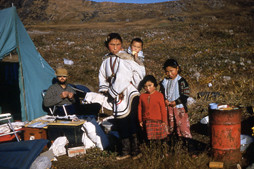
x: 38, y: 124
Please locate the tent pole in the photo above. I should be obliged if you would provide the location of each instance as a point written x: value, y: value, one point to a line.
x: 23, y: 84
x: 21, y: 72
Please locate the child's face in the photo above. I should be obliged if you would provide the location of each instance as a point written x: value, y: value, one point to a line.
x: 114, y: 46
x: 149, y: 87
x: 136, y: 46
x: 171, y: 72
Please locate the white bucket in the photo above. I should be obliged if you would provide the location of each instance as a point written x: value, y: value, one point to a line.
x: 213, y: 105
x: 205, y: 120
x: 107, y: 125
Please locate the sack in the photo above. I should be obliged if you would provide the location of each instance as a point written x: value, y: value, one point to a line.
x: 58, y: 146
x: 87, y: 141
x: 95, y: 133
x: 41, y: 162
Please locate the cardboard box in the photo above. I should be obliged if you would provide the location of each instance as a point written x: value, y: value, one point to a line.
x: 74, y: 151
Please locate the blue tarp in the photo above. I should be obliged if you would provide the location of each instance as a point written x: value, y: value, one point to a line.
x: 35, y: 74
x: 20, y: 155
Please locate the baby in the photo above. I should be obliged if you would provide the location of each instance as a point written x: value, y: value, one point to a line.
x: 135, y: 49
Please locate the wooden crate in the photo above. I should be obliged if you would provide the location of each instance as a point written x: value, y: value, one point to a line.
x: 34, y: 133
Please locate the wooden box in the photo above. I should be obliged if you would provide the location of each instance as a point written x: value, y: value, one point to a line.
x: 34, y: 133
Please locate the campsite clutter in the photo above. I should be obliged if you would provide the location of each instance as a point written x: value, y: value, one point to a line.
x: 37, y: 129
x: 70, y: 137
x: 84, y: 131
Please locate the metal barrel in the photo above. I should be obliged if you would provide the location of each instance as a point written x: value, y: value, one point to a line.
x: 225, y: 131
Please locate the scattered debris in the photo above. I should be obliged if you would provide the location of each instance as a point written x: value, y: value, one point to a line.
x: 68, y: 62
x: 190, y: 101
x: 205, y: 120
x: 207, y: 95
x: 214, y: 164
x: 74, y: 151
x: 245, y: 142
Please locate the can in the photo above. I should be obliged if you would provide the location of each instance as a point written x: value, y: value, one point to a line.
x: 225, y: 131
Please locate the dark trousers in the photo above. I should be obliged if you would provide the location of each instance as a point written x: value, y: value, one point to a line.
x: 128, y: 129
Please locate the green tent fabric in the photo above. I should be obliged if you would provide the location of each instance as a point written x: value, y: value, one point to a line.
x: 35, y: 74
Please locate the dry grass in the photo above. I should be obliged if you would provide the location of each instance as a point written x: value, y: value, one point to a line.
x: 216, y: 51
x: 154, y: 156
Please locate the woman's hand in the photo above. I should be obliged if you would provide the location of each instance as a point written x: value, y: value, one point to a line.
x: 166, y: 102
x: 172, y: 104
x: 141, y: 124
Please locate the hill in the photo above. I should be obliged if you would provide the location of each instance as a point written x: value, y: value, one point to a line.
x: 212, y: 39
x: 82, y: 11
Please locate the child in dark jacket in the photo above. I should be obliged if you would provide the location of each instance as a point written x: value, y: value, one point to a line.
x: 176, y: 92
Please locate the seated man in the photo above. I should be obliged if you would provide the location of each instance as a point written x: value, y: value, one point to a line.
x: 60, y: 94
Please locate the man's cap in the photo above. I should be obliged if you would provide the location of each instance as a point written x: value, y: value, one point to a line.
x: 61, y: 72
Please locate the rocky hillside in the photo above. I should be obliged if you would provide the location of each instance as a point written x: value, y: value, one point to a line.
x: 212, y: 39
x: 215, y: 37
x: 81, y: 11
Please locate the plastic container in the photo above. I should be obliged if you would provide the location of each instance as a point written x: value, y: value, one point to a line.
x: 107, y: 125
x: 213, y: 105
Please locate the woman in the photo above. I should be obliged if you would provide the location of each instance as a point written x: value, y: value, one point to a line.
x: 119, y: 77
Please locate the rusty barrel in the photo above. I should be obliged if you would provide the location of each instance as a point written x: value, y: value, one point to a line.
x: 225, y: 128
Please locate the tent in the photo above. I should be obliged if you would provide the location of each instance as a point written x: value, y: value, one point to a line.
x: 20, y: 154
x: 34, y: 73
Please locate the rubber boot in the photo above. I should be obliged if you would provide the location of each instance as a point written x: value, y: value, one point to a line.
x: 135, y: 145
x: 126, y: 147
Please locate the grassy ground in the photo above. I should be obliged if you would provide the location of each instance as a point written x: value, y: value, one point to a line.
x: 215, y: 51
